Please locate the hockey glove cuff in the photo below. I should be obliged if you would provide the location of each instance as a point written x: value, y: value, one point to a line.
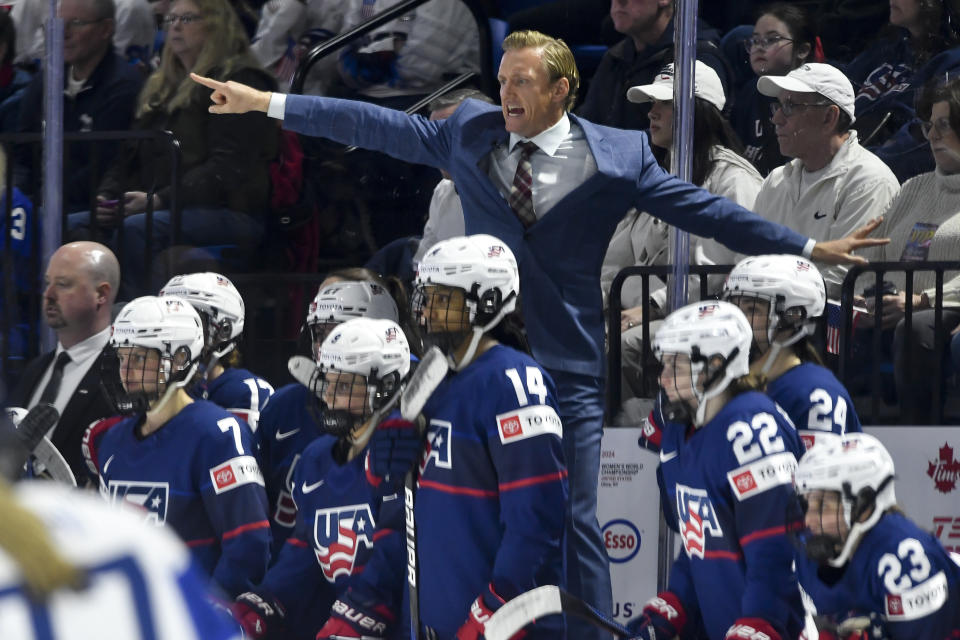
x: 352, y: 619
x: 663, y: 618
x: 480, y: 611
x: 752, y: 629
x: 258, y: 616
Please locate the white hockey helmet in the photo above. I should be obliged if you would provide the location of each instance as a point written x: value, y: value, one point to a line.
x: 217, y: 301
x: 716, y: 337
x: 171, y: 326
x: 341, y: 301
x: 485, y: 269
x: 792, y: 286
x: 859, y: 468
x: 375, y: 349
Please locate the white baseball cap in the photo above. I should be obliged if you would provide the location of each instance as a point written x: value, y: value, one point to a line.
x: 813, y: 77
x: 706, y: 85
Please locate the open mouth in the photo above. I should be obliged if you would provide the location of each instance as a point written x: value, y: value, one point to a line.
x: 515, y: 112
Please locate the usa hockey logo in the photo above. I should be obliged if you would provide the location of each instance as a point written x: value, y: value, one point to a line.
x: 223, y: 282
x: 495, y: 251
x: 152, y: 497
x: 438, y: 446
x: 706, y: 310
x: 390, y: 335
x: 338, y: 534
x: 697, y: 517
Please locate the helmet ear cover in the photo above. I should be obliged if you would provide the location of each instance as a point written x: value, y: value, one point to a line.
x: 488, y: 304
x: 385, y: 388
x: 714, y: 366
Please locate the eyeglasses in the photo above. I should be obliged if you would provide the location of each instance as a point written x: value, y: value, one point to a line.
x: 942, y: 125
x: 187, y: 18
x: 76, y: 23
x: 788, y: 107
x: 764, y: 42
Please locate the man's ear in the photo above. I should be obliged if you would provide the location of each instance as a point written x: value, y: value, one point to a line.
x: 103, y: 293
x: 561, y: 89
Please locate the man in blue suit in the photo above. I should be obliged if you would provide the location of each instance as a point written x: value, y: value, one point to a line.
x: 581, y: 179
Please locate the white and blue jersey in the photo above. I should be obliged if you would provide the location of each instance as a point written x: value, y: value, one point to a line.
x: 141, y: 580
x: 197, y: 473
x: 815, y: 401
x: 899, y: 573
x: 492, y: 496
x: 289, y: 422
x: 726, y: 489
x: 338, y: 514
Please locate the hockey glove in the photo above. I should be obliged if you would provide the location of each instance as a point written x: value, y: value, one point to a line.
x: 480, y: 611
x: 350, y: 619
x: 259, y: 617
x: 663, y: 618
x: 394, y: 447
x: 751, y: 629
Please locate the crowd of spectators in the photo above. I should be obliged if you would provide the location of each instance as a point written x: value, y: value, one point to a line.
x: 819, y: 125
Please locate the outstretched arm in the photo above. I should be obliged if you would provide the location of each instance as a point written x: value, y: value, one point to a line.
x: 840, y: 251
x: 233, y: 97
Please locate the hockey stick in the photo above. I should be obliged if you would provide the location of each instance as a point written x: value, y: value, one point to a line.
x: 545, y: 601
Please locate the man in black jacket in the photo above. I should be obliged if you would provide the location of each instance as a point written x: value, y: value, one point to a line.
x: 100, y: 94
x: 635, y: 60
x: 80, y: 287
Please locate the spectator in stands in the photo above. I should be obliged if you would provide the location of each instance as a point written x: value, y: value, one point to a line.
x: 717, y: 167
x: 920, y: 45
x: 923, y: 223
x: 636, y: 60
x: 445, y: 216
x: 100, y: 94
x: 832, y: 185
x: 409, y: 56
x: 132, y: 37
x: 13, y: 80
x: 225, y: 183
x: 80, y: 288
x: 782, y: 40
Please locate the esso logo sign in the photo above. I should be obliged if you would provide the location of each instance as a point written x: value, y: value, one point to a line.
x: 621, y: 540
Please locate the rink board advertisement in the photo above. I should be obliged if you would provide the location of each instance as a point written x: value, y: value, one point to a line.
x: 927, y: 464
x: 628, y: 511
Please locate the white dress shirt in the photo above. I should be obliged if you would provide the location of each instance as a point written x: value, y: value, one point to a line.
x: 562, y: 163
x: 82, y: 356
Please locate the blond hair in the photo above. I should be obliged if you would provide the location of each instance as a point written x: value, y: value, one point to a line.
x: 225, y: 49
x: 555, y: 55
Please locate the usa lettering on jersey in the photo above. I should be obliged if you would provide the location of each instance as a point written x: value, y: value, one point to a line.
x: 337, y: 534
x: 697, y: 517
x: 438, y: 446
x: 528, y: 422
x: 919, y: 601
x: 236, y: 472
x: 152, y: 497
x: 762, y: 475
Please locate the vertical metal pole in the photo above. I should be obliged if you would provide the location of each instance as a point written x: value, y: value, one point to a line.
x: 681, y: 165
x: 52, y: 146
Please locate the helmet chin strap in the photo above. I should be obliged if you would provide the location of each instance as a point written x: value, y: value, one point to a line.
x: 776, y: 346
x: 215, y: 357
x: 476, y: 335
x: 171, y: 390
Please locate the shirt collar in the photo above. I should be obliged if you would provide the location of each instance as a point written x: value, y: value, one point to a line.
x: 547, y: 140
x: 85, y: 349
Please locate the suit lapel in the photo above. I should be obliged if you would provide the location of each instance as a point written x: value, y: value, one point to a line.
x: 31, y: 376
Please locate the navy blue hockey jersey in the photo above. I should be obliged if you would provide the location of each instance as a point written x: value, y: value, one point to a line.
x: 899, y: 572
x: 493, y: 493
x: 815, y: 401
x: 197, y: 474
x: 289, y: 422
x: 240, y: 392
x: 338, y: 514
x: 727, y: 487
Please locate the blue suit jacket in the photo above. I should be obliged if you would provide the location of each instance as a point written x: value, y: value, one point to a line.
x: 560, y: 255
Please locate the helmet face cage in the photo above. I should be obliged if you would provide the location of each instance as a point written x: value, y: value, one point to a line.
x: 678, y: 380
x: 318, y: 333
x: 346, y: 400
x: 845, y: 485
x: 444, y: 315
x: 135, y: 377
